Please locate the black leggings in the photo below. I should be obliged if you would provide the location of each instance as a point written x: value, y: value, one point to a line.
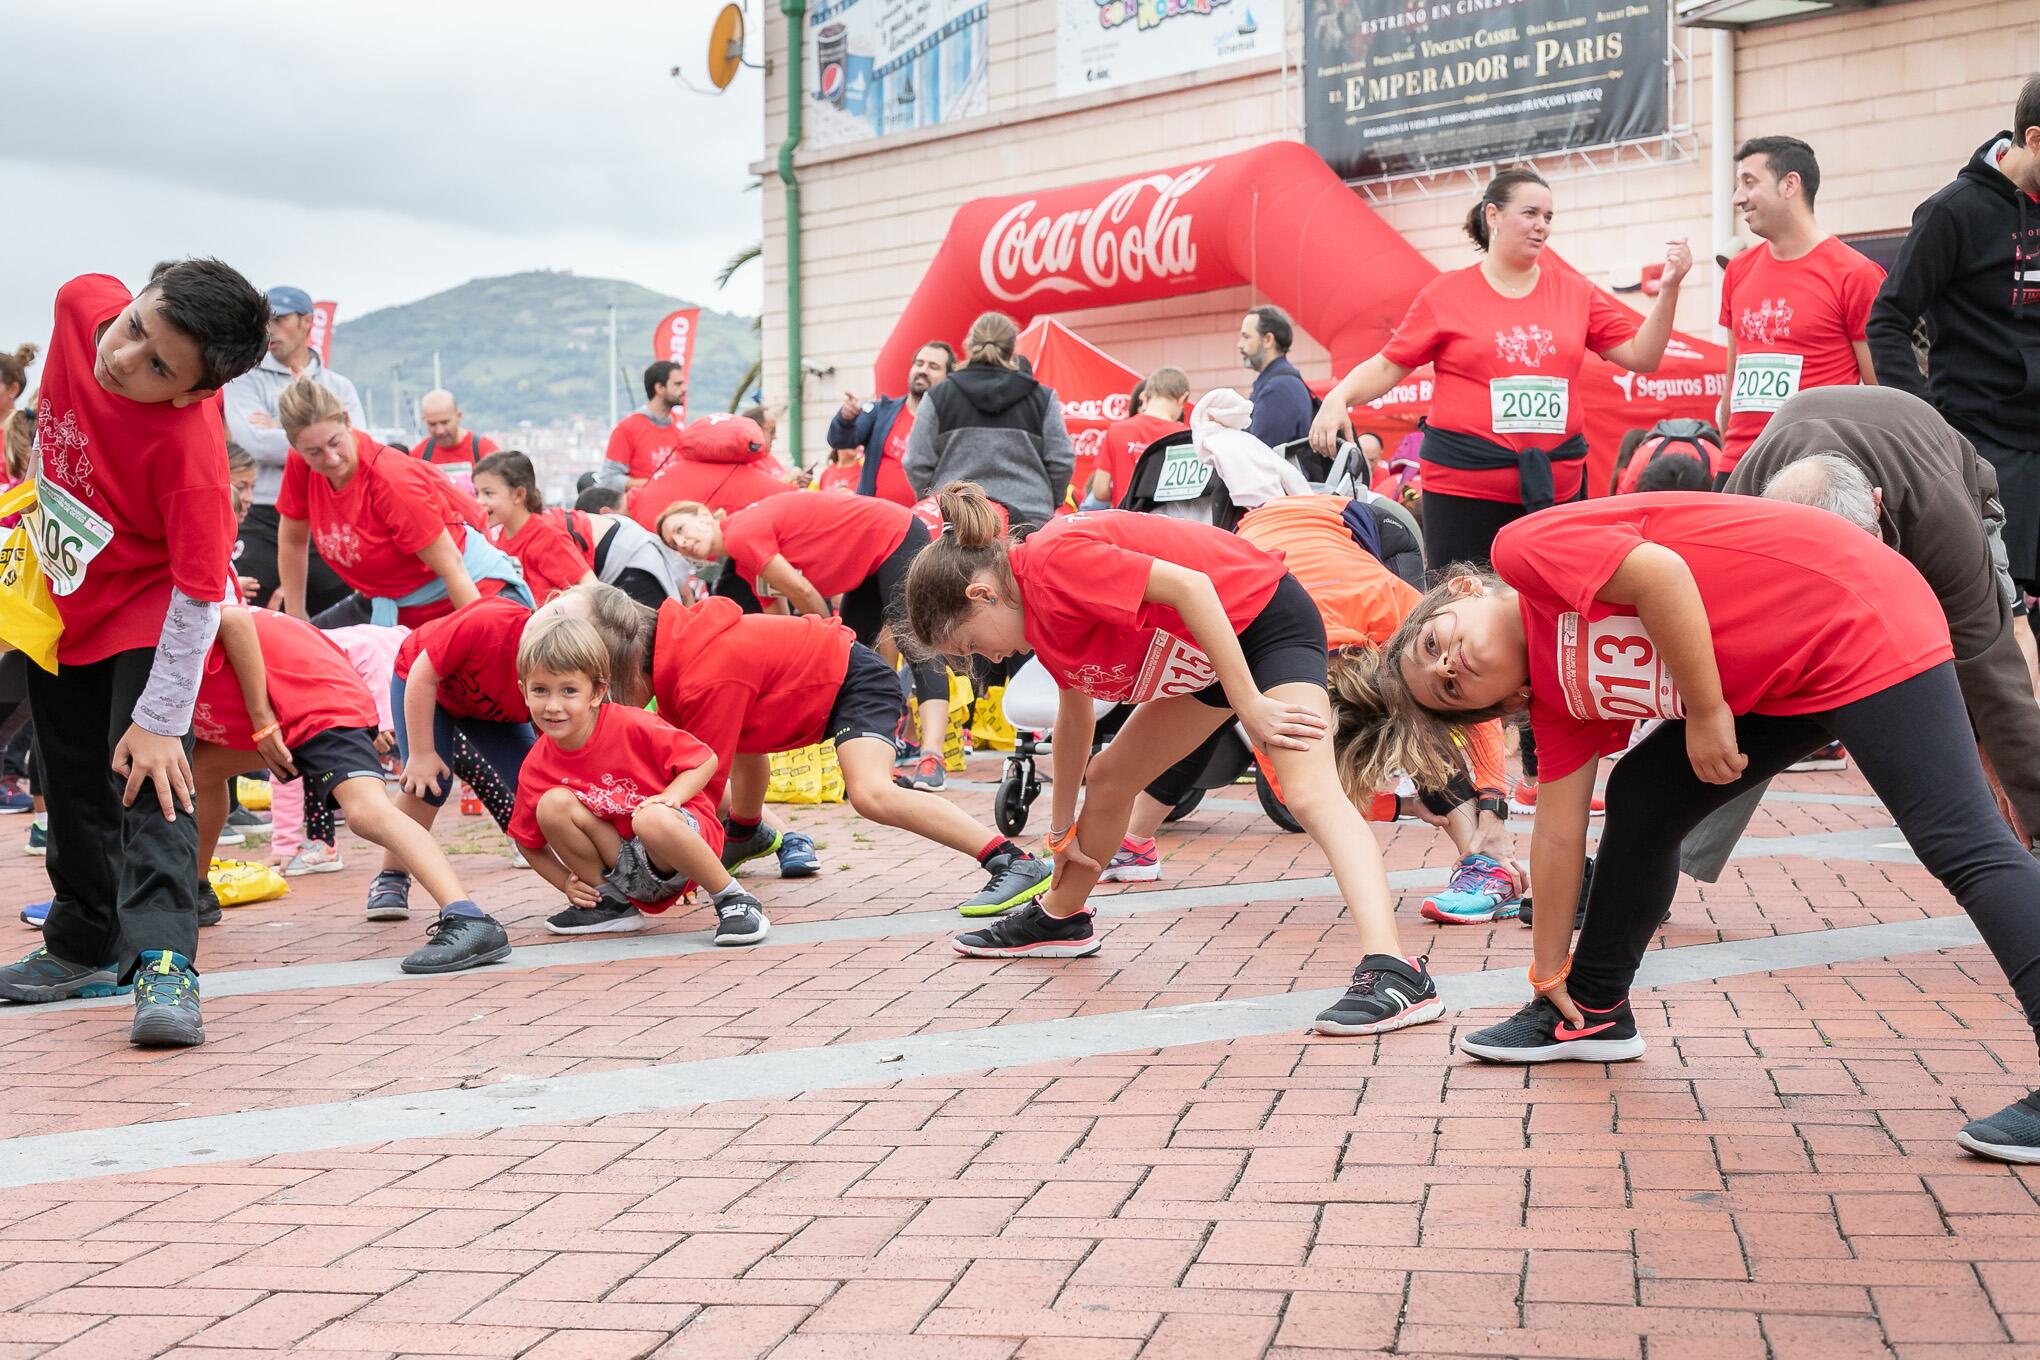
x: 1911, y: 741
x: 1463, y: 529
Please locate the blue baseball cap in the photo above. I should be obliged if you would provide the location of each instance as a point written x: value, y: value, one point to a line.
x: 287, y: 301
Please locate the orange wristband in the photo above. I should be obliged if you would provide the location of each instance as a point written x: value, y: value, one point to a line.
x: 264, y: 732
x: 1552, y: 982
x: 1057, y: 844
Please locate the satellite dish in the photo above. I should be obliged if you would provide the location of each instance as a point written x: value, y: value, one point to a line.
x: 726, y: 47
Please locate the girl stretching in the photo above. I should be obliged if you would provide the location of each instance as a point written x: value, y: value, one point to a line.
x: 1759, y: 631
x: 506, y: 486
x: 1195, y: 627
x: 808, y: 548
x: 750, y: 684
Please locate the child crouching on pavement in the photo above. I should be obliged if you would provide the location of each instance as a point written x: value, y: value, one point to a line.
x: 277, y: 687
x: 612, y: 803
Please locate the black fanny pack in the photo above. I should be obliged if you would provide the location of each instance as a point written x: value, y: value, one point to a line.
x: 1471, y: 453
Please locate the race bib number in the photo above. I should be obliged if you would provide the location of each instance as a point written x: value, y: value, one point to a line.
x: 1528, y: 405
x: 1172, y: 666
x: 67, y: 537
x: 1184, y: 475
x: 1611, y: 671
x: 1764, y: 382
x: 461, y: 475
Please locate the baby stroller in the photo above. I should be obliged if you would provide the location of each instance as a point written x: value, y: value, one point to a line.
x: 1168, y: 479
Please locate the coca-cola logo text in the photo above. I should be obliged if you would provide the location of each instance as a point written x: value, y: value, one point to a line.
x: 1095, y: 247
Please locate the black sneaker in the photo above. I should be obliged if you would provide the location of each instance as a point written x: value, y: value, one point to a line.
x: 457, y: 942
x: 2010, y: 1135
x: 1387, y: 993
x: 760, y: 843
x: 389, y: 896
x: 609, y: 916
x: 740, y: 920
x: 209, y: 913
x: 247, y: 822
x: 1016, y: 879
x: 1540, y: 1033
x: 166, y: 1002
x: 797, y: 856
x: 42, y: 976
x: 1579, y: 918
x: 1032, y: 933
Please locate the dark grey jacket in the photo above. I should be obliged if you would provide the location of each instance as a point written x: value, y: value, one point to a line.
x: 996, y: 427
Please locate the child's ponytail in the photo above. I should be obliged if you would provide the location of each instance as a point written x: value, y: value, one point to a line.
x: 973, y: 542
x: 626, y: 628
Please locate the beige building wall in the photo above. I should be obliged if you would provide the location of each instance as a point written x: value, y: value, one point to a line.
x: 1892, y: 99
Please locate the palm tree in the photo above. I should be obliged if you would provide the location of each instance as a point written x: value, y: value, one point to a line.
x: 722, y: 280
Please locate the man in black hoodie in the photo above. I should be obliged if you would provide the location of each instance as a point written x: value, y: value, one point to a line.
x: 1971, y: 267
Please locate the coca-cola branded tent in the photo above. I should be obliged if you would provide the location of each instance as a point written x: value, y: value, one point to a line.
x: 1092, y: 386
x: 1275, y: 218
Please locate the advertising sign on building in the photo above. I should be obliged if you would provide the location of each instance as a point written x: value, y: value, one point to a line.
x: 877, y: 67
x: 1102, y: 44
x: 1407, y: 86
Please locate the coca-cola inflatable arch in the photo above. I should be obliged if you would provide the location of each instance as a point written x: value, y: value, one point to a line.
x: 1275, y: 218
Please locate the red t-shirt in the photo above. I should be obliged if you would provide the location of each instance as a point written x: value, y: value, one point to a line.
x: 474, y: 651
x: 747, y: 684
x: 470, y: 449
x: 644, y: 445
x: 839, y: 476
x: 631, y: 756
x: 1081, y: 580
x: 312, y: 686
x: 1125, y: 441
x: 836, y: 544
x: 727, y: 487
x: 134, y: 494
x: 1808, y: 613
x: 892, y: 470
x: 1795, y: 323
x: 550, y: 559
x: 1507, y: 368
x: 371, y: 530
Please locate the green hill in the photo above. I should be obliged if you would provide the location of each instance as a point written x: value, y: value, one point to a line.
x: 533, y: 347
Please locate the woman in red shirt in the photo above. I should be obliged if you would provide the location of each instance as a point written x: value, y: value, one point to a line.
x: 391, y: 527
x: 506, y: 486
x: 1195, y: 626
x: 749, y: 685
x: 1759, y: 631
x: 807, y: 548
x: 1506, y: 338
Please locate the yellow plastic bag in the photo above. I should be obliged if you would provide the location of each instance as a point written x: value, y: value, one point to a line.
x: 809, y: 775
x: 253, y: 793
x: 242, y: 883
x: 953, y: 749
x: 29, y: 622
x: 989, y: 728
x: 832, y: 774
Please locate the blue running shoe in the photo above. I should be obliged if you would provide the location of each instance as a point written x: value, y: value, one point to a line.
x: 35, y: 913
x: 1480, y: 891
x: 42, y: 976
x: 797, y: 857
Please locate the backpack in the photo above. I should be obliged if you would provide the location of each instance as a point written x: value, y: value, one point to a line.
x: 1681, y: 434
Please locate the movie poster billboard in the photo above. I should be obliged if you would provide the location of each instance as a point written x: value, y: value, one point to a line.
x: 1411, y: 86
x: 1103, y: 44
x: 878, y: 67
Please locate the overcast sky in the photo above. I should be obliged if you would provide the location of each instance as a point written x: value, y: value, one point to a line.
x: 370, y: 151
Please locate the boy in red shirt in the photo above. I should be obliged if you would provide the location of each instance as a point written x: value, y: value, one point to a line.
x: 1161, y: 412
x: 278, y: 689
x: 1796, y: 305
x: 136, y: 534
x: 1757, y: 630
x: 613, y: 807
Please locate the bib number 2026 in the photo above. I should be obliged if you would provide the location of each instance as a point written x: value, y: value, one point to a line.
x: 1764, y: 382
x: 1526, y: 405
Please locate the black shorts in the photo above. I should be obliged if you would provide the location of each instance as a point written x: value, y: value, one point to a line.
x: 327, y: 759
x: 1284, y: 645
x: 870, y: 703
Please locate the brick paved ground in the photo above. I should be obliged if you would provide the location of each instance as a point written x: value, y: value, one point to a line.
x: 1778, y: 1180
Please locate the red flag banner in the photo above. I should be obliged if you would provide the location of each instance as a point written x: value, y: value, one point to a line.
x: 322, y: 330
x: 674, y: 343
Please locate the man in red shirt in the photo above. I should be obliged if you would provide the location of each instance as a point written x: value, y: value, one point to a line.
x: 448, y: 446
x: 881, y: 429
x: 135, y: 532
x: 1795, y: 305
x: 645, y: 440
x: 1161, y: 412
